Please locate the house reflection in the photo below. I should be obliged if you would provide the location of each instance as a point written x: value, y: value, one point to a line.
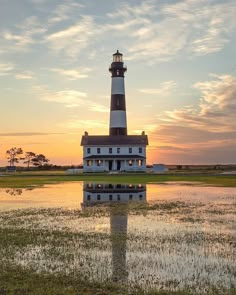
x: 119, y: 196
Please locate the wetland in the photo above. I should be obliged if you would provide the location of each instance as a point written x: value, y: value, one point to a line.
x: 107, y: 238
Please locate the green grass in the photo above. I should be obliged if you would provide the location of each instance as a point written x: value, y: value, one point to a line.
x: 41, y: 178
x: 16, y: 236
x: 16, y: 280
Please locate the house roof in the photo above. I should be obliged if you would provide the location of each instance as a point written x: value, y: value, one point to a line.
x: 108, y: 140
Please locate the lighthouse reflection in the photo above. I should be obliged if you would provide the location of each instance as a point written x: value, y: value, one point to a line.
x: 118, y: 198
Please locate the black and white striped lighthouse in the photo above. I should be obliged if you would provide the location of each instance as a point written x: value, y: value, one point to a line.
x: 118, y: 122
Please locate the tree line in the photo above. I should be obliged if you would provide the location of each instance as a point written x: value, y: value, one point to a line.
x: 15, y: 154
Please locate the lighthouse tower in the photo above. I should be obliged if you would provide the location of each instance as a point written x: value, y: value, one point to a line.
x: 117, y: 151
x: 118, y: 122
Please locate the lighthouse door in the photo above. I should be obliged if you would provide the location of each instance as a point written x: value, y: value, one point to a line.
x: 118, y: 165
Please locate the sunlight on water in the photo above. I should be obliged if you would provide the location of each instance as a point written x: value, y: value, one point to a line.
x: 171, y: 237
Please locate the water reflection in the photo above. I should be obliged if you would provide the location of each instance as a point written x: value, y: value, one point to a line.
x: 119, y: 195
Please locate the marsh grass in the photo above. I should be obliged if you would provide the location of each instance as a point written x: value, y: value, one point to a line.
x: 172, y: 247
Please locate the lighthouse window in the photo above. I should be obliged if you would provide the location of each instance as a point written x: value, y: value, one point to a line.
x: 98, y: 150
x: 140, y: 163
x: 130, y: 150
x: 118, y: 102
x: 117, y: 72
x: 140, y: 150
x: 89, y: 163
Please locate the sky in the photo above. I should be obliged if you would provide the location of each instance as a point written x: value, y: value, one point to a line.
x: 180, y: 83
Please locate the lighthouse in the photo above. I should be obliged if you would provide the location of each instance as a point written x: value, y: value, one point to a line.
x: 117, y: 151
x: 118, y: 121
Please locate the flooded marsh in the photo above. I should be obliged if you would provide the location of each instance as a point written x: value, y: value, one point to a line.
x: 138, y: 238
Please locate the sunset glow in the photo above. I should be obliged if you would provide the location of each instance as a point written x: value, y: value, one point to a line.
x: 180, y: 83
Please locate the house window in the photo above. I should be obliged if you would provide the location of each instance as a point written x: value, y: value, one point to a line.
x: 98, y: 197
x: 130, y: 162
x: 118, y: 197
x: 140, y: 150
x: 88, y: 197
x: 140, y: 163
x: 118, y: 150
x: 88, y: 150
x: 110, y: 197
x: 130, y: 150
x: 130, y: 197
x: 110, y: 150
x: 98, y: 150
x: 89, y: 163
x: 99, y: 162
x: 140, y: 197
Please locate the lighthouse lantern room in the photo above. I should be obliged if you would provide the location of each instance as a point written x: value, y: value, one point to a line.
x: 117, y: 151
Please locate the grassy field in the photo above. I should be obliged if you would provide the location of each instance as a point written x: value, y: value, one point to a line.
x: 41, y: 178
x: 43, y: 252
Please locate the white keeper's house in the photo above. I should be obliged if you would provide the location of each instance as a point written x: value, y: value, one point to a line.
x: 117, y: 151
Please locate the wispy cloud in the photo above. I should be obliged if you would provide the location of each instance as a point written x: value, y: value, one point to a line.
x: 163, y: 31
x: 24, y: 34
x: 27, y: 75
x: 73, y: 74
x: 164, y: 89
x: 64, y: 11
x: 23, y: 134
x: 6, y: 69
x: 210, y: 128
x: 70, y: 99
x: 90, y: 124
x: 73, y: 39
x: 67, y: 97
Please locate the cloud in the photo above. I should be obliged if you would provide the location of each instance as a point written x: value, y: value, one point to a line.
x: 70, y: 99
x: 73, y: 74
x: 25, y: 76
x: 6, y: 69
x: 64, y: 11
x: 164, y: 89
x: 24, y: 34
x: 74, y: 39
x: 95, y: 107
x: 19, y: 134
x: 90, y: 124
x: 208, y: 129
x: 160, y: 32
x: 67, y: 97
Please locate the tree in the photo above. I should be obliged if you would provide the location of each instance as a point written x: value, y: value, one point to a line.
x: 29, y: 156
x: 40, y: 160
x: 13, y: 155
